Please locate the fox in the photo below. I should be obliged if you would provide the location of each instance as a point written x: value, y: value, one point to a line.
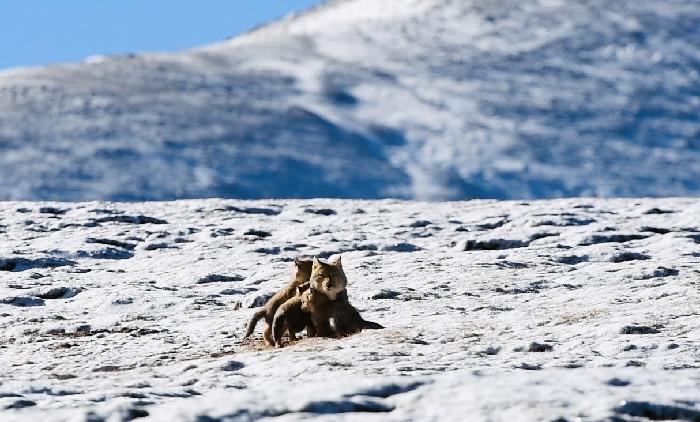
x: 327, y: 278
x: 327, y: 300
x: 300, y: 275
x: 326, y: 304
x: 292, y: 316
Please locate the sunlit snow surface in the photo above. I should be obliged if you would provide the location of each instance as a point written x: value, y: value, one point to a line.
x: 427, y: 99
x: 502, y: 311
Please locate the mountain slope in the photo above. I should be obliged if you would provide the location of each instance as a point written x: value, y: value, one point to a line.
x: 428, y: 99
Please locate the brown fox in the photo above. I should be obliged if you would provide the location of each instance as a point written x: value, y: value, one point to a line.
x: 292, y: 317
x: 325, y: 305
x: 300, y: 275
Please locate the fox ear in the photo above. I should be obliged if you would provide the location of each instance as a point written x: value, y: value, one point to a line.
x: 335, y: 260
x: 317, y: 263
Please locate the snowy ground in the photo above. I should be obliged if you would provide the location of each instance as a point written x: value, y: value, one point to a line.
x: 576, y: 308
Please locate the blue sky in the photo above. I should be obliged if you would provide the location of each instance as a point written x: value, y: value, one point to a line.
x: 35, y: 32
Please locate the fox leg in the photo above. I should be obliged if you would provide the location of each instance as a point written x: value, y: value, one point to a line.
x: 311, y: 330
x: 292, y: 335
x: 279, y: 326
x: 268, y: 336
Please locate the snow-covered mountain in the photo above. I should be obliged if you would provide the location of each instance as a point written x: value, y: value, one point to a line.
x: 428, y: 99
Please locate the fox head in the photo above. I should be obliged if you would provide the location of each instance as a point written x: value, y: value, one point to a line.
x: 328, y: 277
x: 302, y: 270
